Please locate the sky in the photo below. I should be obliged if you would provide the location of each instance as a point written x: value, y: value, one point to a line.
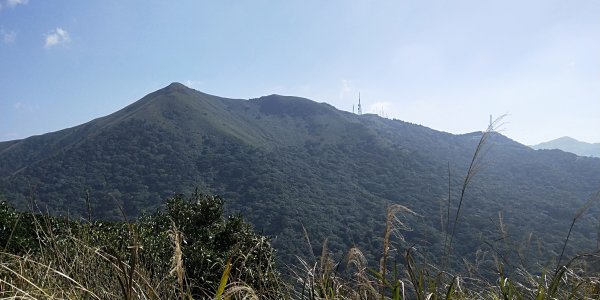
x: 447, y: 65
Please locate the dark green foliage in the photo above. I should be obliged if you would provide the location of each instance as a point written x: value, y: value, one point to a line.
x: 284, y: 162
x: 208, y: 241
x: 17, y: 232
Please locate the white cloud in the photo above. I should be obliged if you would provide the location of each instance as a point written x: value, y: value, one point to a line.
x: 195, y: 84
x: 13, y: 3
x: 8, y: 36
x: 345, y: 89
x: 20, y: 106
x: 56, y: 37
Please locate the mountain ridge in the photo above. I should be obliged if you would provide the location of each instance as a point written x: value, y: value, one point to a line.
x: 569, y: 144
x: 288, y: 163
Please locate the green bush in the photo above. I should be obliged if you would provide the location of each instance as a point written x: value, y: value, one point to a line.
x: 180, y: 251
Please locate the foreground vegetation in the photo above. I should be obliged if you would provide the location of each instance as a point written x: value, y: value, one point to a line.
x: 179, y: 252
x: 188, y: 250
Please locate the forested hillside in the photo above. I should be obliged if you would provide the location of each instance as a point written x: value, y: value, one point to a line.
x: 286, y: 163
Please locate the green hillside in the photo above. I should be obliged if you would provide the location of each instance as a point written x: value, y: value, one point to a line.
x: 286, y: 163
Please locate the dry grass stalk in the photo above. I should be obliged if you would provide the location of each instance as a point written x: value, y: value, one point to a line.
x: 474, y: 168
x: 239, y: 290
x: 177, y: 259
x: 364, y: 286
x: 593, y: 199
x: 392, y: 224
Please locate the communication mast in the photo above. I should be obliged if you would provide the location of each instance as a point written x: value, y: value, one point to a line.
x: 359, y: 108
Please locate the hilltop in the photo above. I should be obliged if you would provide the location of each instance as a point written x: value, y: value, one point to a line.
x: 569, y: 144
x: 286, y: 163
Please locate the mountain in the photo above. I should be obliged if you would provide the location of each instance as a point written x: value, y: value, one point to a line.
x: 288, y: 163
x: 572, y: 145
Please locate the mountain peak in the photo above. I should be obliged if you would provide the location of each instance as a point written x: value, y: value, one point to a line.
x: 176, y: 86
x: 566, y: 139
x: 572, y: 145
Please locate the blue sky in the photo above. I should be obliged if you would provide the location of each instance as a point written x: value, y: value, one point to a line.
x: 447, y: 65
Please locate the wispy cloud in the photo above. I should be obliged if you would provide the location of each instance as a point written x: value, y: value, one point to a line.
x: 57, y: 37
x: 345, y: 89
x: 193, y: 83
x: 13, y: 3
x: 20, y: 106
x: 8, y: 36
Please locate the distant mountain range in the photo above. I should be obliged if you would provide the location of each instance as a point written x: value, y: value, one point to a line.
x: 288, y: 163
x: 572, y: 145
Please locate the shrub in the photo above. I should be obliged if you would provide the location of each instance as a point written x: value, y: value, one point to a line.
x: 182, y: 251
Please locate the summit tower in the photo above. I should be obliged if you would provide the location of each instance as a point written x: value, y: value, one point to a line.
x: 359, y: 107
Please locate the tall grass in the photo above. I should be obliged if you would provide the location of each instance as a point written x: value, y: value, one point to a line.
x: 413, y: 276
x: 147, y: 259
x: 62, y: 259
x: 68, y: 266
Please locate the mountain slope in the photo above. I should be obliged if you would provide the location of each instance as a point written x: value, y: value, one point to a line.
x: 286, y: 163
x: 572, y: 145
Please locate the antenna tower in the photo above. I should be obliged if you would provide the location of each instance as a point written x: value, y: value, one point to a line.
x: 359, y: 107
